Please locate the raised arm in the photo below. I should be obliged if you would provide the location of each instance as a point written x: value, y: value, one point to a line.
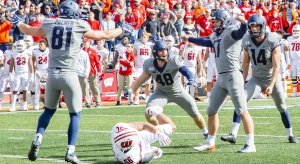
x: 205, y: 42
x: 33, y: 31
x: 239, y: 33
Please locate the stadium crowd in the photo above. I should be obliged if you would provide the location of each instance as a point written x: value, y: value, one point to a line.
x: 150, y: 20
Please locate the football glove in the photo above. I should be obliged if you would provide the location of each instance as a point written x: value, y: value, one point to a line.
x: 163, y: 139
x: 15, y: 20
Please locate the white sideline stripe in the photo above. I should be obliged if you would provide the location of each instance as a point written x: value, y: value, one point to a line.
x: 103, y: 131
x: 25, y: 157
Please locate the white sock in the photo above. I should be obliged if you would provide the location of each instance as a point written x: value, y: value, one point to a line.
x: 204, y: 131
x: 235, y: 129
x: 250, y: 139
x: 39, y: 137
x: 208, y: 94
x: 211, y: 140
x: 289, y: 132
x: 25, y: 105
x: 71, y: 149
x: 14, y: 99
x: 295, y: 88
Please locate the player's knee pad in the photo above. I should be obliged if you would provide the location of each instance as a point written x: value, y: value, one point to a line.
x: 154, y: 111
x: 168, y: 129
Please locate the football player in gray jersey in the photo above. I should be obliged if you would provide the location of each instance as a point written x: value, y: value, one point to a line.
x: 166, y: 70
x: 226, y: 41
x: 263, y: 50
x: 64, y: 35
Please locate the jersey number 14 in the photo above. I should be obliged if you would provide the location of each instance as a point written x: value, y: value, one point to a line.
x: 261, y: 57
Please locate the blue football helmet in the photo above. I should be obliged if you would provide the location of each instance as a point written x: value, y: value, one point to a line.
x: 257, y: 19
x: 225, y: 17
x: 69, y: 9
x: 159, y: 46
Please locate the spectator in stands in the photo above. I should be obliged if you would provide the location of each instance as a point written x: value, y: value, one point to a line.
x: 206, y: 24
x: 152, y: 26
x: 5, y: 27
x: 84, y: 9
x: 108, y: 24
x: 180, y: 13
x: 262, y: 6
x: 189, y: 26
x: 245, y: 8
x: 189, y: 12
x: 234, y: 11
x: 133, y: 20
x: 97, y: 8
x: 140, y: 11
x: 151, y: 8
x: 31, y: 13
x: 125, y: 72
x: 37, y: 22
x: 273, y: 9
x: 118, y: 39
x: 47, y: 12
x: 95, y: 25
x: 95, y: 70
x: 29, y: 6
x: 17, y: 35
x: 167, y: 28
x: 288, y: 16
x: 275, y: 22
x: 167, y: 13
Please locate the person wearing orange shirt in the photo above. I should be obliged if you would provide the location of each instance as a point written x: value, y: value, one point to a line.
x: 5, y: 26
x: 288, y: 16
x: 274, y: 8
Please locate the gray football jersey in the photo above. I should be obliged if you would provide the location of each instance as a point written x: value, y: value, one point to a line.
x: 64, y: 38
x: 168, y: 78
x: 227, y: 50
x: 261, y: 53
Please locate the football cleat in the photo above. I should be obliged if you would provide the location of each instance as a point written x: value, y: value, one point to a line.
x: 248, y: 149
x: 118, y: 103
x: 136, y: 102
x: 12, y: 109
x: 293, y: 139
x: 229, y: 138
x: 205, y: 148
x: 98, y: 105
x: 33, y: 152
x: 205, y: 135
x: 71, y: 157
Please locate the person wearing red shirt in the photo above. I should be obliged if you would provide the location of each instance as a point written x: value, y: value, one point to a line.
x: 253, y: 11
x: 188, y: 13
x: 274, y: 8
x: 95, y: 25
x: 245, y: 7
x: 95, y: 70
x: 37, y: 22
x: 205, y: 24
x: 131, y: 19
x: 151, y: 8
x: 290, y: 29
x: 140, y: 11
x: 275, y: 22
x: 261, y: 6
x: 125, y: 72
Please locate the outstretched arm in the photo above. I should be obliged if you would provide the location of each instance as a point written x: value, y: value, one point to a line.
x: 186, y: 72
x: 98, y: 35
x: 201, y: 41
x: 33, y: 31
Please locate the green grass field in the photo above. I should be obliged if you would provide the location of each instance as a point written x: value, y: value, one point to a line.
x: 17, y: 131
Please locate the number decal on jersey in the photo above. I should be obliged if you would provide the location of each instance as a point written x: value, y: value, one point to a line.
x: 21, y: 60
x: 119, y: 129
x: 144, y: 51
x: 207, y: 25
x: 191, y: 56
x: 165, y: 79
x: 61, y: 38
x: 295, y: 46
x: 42, y: 60
x: 128, y: 160
x: 217, y: 52
x: 261, y: 57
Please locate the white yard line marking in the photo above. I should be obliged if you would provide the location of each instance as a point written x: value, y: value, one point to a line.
x: 25, y: 157
x: 103, y: 131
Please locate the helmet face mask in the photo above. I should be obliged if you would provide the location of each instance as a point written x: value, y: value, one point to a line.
x: 296, y: 31
x: 254, y: 22
x: 160, y: 51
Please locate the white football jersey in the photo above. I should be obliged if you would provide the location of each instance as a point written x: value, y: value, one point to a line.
x: 7, y: 54
x: 294, y: 46
x: 173, y: 51
x: 121, y: 50
x: 143, y: 52
x: 41, y: 59
x: 190, y: 56
x: 21, y: 61
x: 102, y: 54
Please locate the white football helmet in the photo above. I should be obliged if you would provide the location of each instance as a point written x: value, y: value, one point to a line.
x: 296, y: 31
x: 125, y: 138
x: 28, y: 40
x: 169, y: 40
x: 20, y: 45
x: 201, y: 82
